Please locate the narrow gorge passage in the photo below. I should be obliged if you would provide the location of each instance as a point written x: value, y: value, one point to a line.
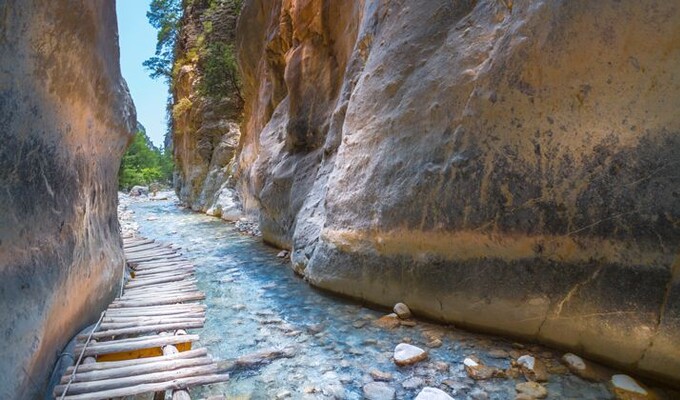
x: 492, y: 167
x: 286, y: 339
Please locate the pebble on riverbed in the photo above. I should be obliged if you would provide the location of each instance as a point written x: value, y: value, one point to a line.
x: 583, y: 369
x: 406, y: 354
x: 430, y: 393
x: 282, y: 254
x: 533, y: 368
x: 530, y: 390
x: 378, y: 391
x: 402, y: 311
x: 389, y: 321
x: 378, y: 375
x: 477, y: 371
x: 627, y: 388
x: 412, y: 383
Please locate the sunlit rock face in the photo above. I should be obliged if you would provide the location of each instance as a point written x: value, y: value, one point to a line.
x: 205, y: 129
x: 65, y: 119
x: 510, y: 166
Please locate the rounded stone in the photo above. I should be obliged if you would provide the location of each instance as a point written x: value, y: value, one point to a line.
x: 406, y: 354
x: 402, y: 311
x: 574, y: 362
x: 533, y: 368
x: 379, y: 375
x: 389, y: 321
x: 430, y: 393
x: 378, y: 391
x: 627, y: 388
x: 586, y: 370
x: 532, y: 390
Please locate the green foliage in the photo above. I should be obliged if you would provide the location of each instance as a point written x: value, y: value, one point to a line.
x: 220, y: 71
x: 182, y: 106
x: 164, y: 15
x: 144, y: 164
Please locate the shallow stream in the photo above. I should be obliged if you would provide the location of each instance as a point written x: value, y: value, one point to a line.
x: 256, y: 303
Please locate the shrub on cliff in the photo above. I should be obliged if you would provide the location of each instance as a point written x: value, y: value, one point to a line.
x: 220, y: 71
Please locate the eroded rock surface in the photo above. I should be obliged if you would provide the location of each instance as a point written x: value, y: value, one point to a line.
x: 205, y: 127
x: 507, y: 166
x: 65, y: 119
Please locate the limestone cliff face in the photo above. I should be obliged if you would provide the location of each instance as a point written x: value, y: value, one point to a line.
x: 65, y: 119
x: 205, y: 127
x: 510, y: 166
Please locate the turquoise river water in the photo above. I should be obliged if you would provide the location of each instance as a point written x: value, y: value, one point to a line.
x: 257, y: 304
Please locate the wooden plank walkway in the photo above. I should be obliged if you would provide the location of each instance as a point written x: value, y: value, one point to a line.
x: 140, y: 344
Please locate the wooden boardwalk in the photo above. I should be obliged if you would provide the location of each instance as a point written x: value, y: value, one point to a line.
x: 141, y: 344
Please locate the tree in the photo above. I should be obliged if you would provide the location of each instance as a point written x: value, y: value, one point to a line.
x: 220, y: 71
x: 144, y: 164
x: 164, y: 15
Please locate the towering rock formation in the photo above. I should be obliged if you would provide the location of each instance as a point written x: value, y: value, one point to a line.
x: 207, y: 108
x: 65, y: 119
x: 510, y: 166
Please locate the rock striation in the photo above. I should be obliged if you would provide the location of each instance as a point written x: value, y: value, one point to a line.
x: 510, y: 166
x: 66, y: 118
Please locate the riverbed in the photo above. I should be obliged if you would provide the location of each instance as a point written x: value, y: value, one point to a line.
x: 311, y: 345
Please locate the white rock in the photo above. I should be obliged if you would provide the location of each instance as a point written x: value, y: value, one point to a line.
x: 533, y: 369
x: 468, y: 362
x: 139, y: 191
x: 406, y: 354
x: 527, y: 362
x: 430, y: 393
x: 402, y: 311
x: 628, y: 384
x: 574, y: 361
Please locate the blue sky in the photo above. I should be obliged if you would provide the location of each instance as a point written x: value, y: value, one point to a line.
x: 137, y: 43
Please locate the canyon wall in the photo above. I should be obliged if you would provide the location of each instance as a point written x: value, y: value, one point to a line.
x: 205, y: 120
x: 65, y: 119
x: 508, y: 166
